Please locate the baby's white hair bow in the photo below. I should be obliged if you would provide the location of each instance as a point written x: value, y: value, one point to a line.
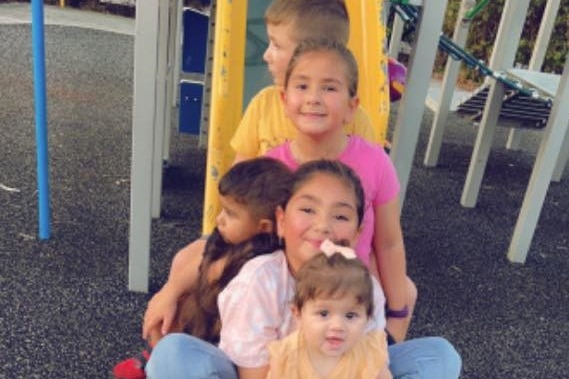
x: 329, y: 248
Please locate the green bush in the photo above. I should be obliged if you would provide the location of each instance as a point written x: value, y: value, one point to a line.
x: 485, y: 26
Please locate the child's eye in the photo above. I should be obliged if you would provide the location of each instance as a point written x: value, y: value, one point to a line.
x: 330, y: 89
x: 301, y: 87
x: 229, y: 213
x: 306, y: 210
x: 342, y: 218
x: 323, y: 313
x: 352, y: 315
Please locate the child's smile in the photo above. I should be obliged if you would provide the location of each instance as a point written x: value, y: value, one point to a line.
x: 313, y: 215
x: 316, y: 97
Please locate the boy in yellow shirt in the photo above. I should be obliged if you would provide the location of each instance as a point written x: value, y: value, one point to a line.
x: 264, y: 124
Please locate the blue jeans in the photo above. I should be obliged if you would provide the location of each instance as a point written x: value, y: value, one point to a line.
x: 181, y: 356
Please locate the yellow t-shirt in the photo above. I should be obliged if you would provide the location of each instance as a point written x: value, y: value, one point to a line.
x: 264, y: 125
x: 289, y: 358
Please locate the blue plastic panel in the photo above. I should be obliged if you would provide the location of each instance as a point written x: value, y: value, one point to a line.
x: 194, y: 42
x: 191, y: 94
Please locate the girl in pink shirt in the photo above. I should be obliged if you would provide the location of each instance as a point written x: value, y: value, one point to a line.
x: 320, y: 96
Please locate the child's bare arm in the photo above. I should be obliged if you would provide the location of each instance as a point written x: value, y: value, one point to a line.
x: 390, y: 256
x: 184, y: 270
x: 253, y: 373
x: 390, y: 253
x: 183, y: 274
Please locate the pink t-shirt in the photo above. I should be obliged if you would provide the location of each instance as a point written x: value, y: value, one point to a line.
x: 255, y: 309
x: 376, y: 172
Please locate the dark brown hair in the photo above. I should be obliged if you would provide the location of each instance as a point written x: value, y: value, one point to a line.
x: 326, y: 45
x: 262, y: 184
x: 311, y: 18
x: 198, y: 314
x: 336, y: 276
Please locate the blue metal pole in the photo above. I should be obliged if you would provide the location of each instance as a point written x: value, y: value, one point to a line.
x: 41, y: 117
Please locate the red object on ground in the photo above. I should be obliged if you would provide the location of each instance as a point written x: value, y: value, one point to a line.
x: 132, y: 368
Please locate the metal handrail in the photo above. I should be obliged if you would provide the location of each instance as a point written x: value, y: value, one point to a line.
x: 410, y: 14
x: 475, y: 10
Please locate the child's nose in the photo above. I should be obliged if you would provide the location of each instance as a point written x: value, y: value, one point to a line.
x: 337, y: 322
x: 323, y: 225
x: 313, y: 96
x: 266, y: 54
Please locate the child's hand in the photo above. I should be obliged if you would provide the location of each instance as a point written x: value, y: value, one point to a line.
x: 397, y: 328
x: 160, y: 312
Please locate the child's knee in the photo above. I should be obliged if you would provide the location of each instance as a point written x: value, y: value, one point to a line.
x: 448, y: 355
x: 181, y: 356
x: 427, y: 357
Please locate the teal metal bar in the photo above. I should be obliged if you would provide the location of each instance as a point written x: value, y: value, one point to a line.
x: 473, y: 12
x: 41, y: 117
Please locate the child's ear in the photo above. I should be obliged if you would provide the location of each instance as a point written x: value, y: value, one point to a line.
x: 353, y: 105
x: 265, y: 226
x: 279, y: 216
x: 283, y: 101
x: 295, y: 311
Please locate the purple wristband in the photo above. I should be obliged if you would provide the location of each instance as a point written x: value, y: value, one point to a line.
x: 400, y: 313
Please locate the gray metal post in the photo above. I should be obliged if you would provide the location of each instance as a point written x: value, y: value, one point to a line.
x: 173, y: 73
x: 549, y: 150
x: 450, y: 77
x: 395, y: 40
x: 161, y: 105
x: 143, y: 112
x: 410, y: 114
x: 503, y: 55
x: 178, y: 53
x: 562, y: 159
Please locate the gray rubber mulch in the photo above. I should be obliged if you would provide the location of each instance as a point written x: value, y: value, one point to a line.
x: 65, y: 308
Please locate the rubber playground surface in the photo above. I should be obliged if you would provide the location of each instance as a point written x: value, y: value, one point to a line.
x: 66, y: 311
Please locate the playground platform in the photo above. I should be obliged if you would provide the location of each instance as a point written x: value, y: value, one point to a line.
x: 65, y: 308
